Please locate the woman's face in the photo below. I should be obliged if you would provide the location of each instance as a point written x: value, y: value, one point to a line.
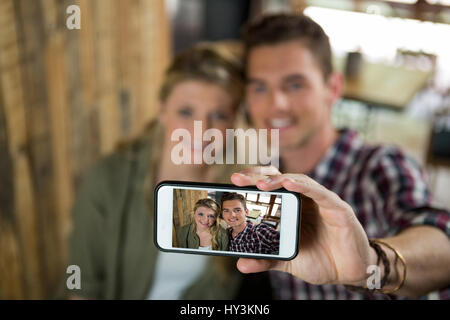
x: 204, y: 218
x: 194, y: 100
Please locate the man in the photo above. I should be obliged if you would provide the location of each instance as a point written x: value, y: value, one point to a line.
x: 352, y: 192
x: 245, y: 236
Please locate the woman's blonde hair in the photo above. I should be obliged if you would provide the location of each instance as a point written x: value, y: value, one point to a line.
x: 211, y: 63
x: 215, y: 228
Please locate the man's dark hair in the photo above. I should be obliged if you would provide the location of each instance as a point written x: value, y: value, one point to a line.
x: 228, y: 196
x: 278, y: 28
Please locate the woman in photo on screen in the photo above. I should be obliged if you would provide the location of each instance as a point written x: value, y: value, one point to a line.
x: 205, y: 231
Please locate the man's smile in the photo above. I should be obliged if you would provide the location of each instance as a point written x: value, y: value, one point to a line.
x: 281, y: 123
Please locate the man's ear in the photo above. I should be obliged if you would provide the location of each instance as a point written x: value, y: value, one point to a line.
x: 335, y: 87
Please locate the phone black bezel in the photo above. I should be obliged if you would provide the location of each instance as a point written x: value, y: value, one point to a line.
x: 207, y: 185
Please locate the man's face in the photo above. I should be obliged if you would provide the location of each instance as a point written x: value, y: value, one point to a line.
x: 233, y: 212
x: 286, y: 90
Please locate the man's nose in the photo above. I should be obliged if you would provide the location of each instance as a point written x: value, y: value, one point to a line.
x: 280, y: 100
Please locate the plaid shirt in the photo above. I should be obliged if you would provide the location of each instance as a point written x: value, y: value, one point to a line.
x: 255, y: 239
x: 388, y: 193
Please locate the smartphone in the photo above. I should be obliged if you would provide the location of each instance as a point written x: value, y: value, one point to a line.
x: 223, y: 219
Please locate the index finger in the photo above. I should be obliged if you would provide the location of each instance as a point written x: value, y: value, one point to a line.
x: 261, y: 171
x: 250, y: 176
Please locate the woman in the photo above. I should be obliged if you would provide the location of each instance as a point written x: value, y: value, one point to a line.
x: 204, y: 232
x: 113, y: 230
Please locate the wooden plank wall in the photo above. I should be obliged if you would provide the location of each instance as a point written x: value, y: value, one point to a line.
x: 66, y: 98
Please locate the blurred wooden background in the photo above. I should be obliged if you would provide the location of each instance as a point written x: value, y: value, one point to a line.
x: 66, y: 98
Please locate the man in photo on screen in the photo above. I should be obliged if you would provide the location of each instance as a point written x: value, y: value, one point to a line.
x: 244, y: 236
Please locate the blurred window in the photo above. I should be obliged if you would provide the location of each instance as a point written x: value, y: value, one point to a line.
x: 206, y: 20
x: 379, y: 37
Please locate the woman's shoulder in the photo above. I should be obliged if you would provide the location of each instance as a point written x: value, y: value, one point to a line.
x: 185, y: 227
x: 109, y: 171
x: 222, y: 230
x: 223, y: 233
x: 223, y: 238
x: 113, y: 168
x: 150, y: 137
x: 183, y: 231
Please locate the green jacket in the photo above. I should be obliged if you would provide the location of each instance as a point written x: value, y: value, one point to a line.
x: 113, y: 231
x: 188, y: 239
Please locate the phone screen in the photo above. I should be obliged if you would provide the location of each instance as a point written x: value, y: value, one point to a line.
x: 228, y: 221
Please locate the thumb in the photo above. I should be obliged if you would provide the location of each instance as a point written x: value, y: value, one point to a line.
x: 245, y: 265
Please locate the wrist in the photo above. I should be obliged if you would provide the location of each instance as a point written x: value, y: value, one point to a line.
x: 377, y: 268
x: 397, y: 274
x: 373, y: 267
x: 380, y: 270
x: 370, y: 261
x: 382, y: 273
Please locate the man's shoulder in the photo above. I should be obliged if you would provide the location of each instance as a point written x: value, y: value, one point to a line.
x: 386, y: 165
x: 351, y: 144
x: 370, y: 156
x: 265, y: 230
x: 390, y: 157
x: 264, y: 226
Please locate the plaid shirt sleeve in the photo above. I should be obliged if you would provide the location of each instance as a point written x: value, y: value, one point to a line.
x: 269, y: 237
x: 401, y: 182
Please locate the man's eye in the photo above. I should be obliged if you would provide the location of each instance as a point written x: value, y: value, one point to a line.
x: 294, y: 86
x: 259, y: 89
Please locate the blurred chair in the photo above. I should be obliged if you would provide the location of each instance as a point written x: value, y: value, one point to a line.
x: 420, y: 60
x: 416, y: 59
x: 438, y: 153
x: 254, y: 213
x: 273, y: 221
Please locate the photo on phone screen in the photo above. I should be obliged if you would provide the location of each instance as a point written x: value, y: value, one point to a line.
x: 227, y: 220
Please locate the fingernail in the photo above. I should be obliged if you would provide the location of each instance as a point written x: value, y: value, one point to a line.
x: 268, y: 180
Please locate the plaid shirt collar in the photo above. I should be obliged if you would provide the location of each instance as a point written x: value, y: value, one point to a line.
x: 241, y: 234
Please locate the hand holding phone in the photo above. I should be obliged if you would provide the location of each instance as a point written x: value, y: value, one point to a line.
x: 223, y: 219
x: 335, y: 247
